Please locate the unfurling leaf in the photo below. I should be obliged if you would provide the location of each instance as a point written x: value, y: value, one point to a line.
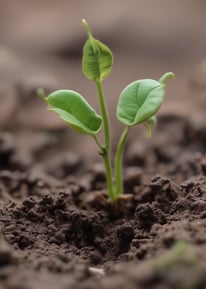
x: 97, y: 57
x: 75, y: 111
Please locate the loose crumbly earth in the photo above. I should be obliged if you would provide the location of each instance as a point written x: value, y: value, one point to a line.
x: 57, y: 229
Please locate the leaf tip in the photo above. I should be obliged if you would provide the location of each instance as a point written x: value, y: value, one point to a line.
x: 40, y: 92
x: 166, y: 76
x: 86, y: 27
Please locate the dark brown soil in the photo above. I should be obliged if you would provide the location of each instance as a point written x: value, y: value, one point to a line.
x: 59, y: 231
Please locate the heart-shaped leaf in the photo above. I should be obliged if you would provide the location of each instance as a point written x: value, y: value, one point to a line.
x: 75, y: 111
x: 97, y: 57
x: 141, y: 100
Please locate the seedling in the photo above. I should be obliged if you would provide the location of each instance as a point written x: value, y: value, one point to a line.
x: 138, y: 104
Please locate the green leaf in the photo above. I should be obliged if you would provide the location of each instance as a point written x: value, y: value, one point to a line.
x: 141, y: 100
x: 75, y: 111
x: 97, y: 57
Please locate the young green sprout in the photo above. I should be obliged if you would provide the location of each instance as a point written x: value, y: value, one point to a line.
x: 138, y: 104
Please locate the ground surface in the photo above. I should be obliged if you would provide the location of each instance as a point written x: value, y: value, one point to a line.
x: 57, y: 229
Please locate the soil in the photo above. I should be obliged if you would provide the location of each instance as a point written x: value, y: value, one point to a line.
x: 58, y: 229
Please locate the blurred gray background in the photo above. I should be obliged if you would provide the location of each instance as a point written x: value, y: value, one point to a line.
x: 41, y: 45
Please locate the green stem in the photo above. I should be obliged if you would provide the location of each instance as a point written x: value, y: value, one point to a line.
x: 107, y: 148
x: 109, y: 179
x: 101, y: 148
x: 118, y: 163
x: 104, y: 115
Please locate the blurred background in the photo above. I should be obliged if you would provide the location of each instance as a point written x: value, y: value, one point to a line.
x: 41, y: 46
